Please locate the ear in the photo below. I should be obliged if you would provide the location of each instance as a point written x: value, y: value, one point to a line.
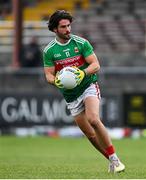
x: 55, y: 30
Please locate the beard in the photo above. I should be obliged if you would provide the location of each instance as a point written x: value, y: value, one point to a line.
x: 64, y: 36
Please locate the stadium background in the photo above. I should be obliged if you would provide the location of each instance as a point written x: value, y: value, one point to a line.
x: 116, y: 29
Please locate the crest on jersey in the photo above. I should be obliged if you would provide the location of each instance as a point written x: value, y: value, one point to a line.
x: 76, y: 50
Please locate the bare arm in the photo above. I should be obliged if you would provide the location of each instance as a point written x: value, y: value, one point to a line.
x: 50, y: 74
x: 94, y: 65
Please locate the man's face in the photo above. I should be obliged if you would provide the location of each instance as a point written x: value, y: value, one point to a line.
x: 63, y: 30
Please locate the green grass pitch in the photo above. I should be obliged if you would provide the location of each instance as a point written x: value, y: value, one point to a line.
x: 67, y: 158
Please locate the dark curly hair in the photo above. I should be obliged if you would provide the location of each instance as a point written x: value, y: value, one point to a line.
x: 56, y: 17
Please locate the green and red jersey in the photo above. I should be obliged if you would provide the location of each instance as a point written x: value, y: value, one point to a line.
x: 72, y: 53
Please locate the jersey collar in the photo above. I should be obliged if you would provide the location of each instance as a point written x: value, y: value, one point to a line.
x: 64, y: 44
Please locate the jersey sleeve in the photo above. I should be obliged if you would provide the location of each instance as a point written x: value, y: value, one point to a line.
x: 48, y: 59
x: 87, y: 49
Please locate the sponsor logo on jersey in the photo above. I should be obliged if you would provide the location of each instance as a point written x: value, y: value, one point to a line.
x: 73, y: 61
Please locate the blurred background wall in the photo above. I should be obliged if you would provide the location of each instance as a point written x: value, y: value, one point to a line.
x: 115, y: 28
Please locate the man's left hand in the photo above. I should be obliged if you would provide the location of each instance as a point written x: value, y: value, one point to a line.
x: 80, y: 75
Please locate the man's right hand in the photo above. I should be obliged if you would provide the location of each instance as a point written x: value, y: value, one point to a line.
x: 58, y: 81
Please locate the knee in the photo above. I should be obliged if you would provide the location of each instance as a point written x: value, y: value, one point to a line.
x: 93, y: 119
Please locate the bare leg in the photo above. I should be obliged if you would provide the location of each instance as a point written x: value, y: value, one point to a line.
x: 92, y: 114
x: 89, y: 131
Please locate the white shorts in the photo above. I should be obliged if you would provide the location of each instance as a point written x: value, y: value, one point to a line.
x: 77, y: 106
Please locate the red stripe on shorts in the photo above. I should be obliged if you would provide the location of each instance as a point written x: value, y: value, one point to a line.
x: 97, y: 90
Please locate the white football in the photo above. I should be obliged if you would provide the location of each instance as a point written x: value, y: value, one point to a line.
x: 68, y: 77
